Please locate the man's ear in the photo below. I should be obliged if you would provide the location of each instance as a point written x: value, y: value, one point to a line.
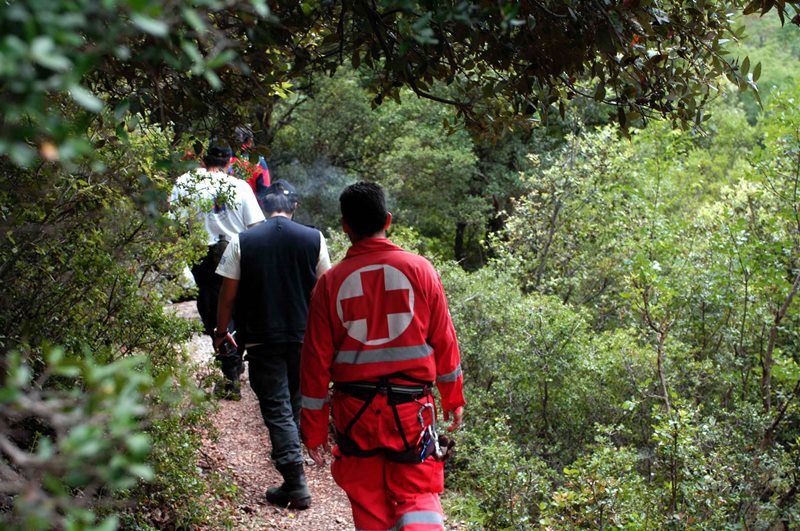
x: 388, y: 221
x: 345, y: 227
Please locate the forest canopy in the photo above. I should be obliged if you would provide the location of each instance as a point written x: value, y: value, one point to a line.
x: 219, y: 61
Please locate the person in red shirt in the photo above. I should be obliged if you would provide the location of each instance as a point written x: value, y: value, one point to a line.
x: 256, y: 175
x: 380, y: 330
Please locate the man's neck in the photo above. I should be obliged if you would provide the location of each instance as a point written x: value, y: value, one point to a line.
x: 282, y: 214
x: 355, y: 239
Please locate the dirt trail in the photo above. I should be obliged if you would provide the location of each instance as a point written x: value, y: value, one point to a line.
x: 242, y: 453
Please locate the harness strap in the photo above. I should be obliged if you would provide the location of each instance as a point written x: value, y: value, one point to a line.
x: 400, y: 427
x: 410, y: 456
x: 396, y: 394
x: 358, y: 414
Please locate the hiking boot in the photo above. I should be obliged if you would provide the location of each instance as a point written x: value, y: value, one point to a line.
x: 293, y: 493
x: 228, y: 390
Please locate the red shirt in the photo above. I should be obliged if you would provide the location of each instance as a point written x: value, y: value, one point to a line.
x: 382, y: 310
x: 257, y: 177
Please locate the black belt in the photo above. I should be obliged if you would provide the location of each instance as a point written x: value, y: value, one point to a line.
x: 397, y: 393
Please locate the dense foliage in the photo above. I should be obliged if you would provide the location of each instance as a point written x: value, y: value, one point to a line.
x: 626, y: 299
x: 630, y: 331
x: 646, y: 374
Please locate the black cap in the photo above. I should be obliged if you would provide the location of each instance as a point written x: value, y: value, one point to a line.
x: 281, y: 187
x: 219, y: 151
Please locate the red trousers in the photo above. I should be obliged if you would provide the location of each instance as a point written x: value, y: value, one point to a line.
x: 384, y: 494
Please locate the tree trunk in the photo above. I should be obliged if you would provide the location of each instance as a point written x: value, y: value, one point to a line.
x: 768, y: 361
x: 458, y: 250
x: 662, y: 337
x: 546, y: 249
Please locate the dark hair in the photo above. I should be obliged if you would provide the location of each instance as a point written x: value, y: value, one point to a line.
x: 242, y: 136
x: 363, y: 208
x: 272, y: 203
x: 281, y: 196
x: 217, y: 156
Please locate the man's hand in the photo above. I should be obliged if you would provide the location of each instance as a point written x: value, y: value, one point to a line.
x: 318, y: 453
x: 219, y: 340
x: 458, y: 416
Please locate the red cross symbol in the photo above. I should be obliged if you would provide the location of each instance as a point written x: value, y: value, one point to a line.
x: 375, y: 304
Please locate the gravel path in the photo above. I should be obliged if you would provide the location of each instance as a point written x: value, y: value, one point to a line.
x: 242, y: 452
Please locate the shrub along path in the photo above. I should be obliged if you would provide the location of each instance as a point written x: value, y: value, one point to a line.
x: 241, y: 455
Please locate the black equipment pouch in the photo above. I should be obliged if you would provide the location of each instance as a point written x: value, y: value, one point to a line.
x: 216, y: 251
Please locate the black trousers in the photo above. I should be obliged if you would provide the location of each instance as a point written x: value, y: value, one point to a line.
x: 275, y: 378
x: 208, y: 287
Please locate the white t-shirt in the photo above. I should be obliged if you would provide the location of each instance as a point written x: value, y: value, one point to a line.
x: 230, y: 265
x: 226, y: 205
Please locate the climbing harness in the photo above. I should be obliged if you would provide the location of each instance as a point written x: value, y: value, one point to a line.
x: 396, y: 394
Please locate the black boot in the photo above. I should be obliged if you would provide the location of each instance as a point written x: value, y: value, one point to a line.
x: 294, y: 492
x: 228, y: 390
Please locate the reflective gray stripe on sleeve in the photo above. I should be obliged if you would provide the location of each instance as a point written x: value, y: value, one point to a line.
x: 450, y: 376
x: 312, y: 403
x: 419, y: 517
x: 362, y: 357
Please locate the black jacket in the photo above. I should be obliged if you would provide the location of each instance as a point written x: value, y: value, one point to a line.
x: 278, y: 271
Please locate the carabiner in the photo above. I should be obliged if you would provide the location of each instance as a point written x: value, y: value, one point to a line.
x: 422, y: 418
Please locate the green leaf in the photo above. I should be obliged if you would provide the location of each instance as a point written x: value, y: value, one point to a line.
x: 745, y: 67
x: 68, y: 371
x: 261, y: 7
x: 21, y: 376
x: 194, y: 20
x: 55, y: 355
x: 141, y: 471
x: 221, y: 59
x: 85, y: 98
x: 757, y: 71
x: 194, y: 55
x: 157, y: 28
x: 122, y: 109
x: 213, y: 79
x: 43, y: 52
x: 138, y: 444
x: 22, y: 154
x: 109, y: 524
x: 600, y: 92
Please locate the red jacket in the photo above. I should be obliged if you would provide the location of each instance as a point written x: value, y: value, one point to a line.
x: 257, y: 177
x: 382, y: 310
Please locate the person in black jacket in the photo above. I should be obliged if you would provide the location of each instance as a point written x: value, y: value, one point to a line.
x: 269, y: 272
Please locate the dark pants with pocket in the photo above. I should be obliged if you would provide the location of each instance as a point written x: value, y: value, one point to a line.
x: 274, y: 370
x: 209, y: 284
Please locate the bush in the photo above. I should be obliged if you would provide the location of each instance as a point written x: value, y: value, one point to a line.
x: 74, y: 436
x: 88, y: 263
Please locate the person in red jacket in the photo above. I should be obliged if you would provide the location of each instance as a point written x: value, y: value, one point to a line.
x: 256, y: 175
x: 380, y: 330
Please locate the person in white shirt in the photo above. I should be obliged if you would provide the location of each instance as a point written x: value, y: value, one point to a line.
x: 225, y: 206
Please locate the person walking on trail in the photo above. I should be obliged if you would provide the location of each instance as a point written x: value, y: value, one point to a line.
x: 256, y: 175
x: 269, y: 273
x: 226, y: 206
x: 380, y: 330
